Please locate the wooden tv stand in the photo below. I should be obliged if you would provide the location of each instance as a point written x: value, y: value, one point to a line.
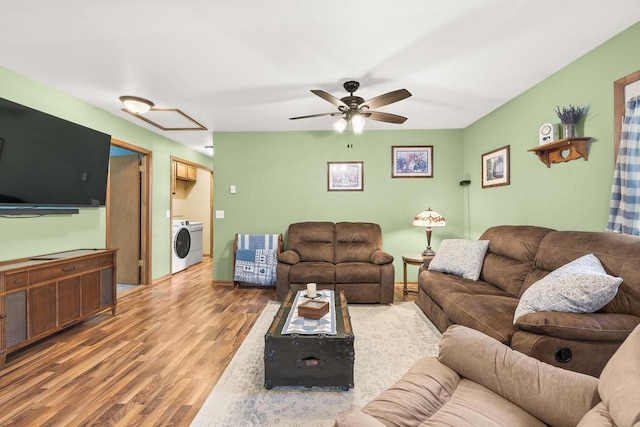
x: 42, y: 295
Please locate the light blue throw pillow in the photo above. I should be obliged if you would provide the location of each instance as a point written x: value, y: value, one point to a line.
x: 460, y: 257
x: 581, y: 286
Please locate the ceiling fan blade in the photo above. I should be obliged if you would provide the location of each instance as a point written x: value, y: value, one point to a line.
x: 330, y: 98
x: 316, y: 115
x: 384, y: 117
x: 386, y: 99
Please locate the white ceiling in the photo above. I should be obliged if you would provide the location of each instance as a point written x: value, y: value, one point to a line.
x: 248, y: 65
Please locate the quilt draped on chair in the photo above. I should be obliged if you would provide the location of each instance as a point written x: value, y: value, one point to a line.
x: 256, y: 259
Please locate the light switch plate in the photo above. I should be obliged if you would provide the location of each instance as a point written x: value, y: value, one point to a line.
x: 219, y: 214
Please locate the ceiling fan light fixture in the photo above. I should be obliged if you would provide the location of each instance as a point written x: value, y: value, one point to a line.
x: 357, y: 124
x: 340, y: 125
x: 136, y: 104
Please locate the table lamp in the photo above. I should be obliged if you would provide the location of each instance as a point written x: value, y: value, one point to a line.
x: 429, y: 219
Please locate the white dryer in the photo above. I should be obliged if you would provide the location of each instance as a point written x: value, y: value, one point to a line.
x: 195, y: 253
x: 180, y: 246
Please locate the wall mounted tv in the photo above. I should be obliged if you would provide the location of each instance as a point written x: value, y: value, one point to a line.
x: 46, y: 161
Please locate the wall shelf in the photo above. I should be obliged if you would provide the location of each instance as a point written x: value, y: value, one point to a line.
x: 562, y: 150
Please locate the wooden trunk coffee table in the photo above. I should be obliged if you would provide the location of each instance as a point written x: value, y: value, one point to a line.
x: 309, y: 360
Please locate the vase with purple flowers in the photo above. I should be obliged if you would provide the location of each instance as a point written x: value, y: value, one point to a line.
x: 569, y: 117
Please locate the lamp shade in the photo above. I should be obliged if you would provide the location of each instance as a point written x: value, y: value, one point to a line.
x: 429, y: 219
x: 340, y: 125
x: 357, y: 124
x: 136, y: 105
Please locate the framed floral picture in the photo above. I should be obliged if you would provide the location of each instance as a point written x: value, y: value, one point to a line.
x: 495, y: 167
x: 345, y: 176
x: 412, y: 161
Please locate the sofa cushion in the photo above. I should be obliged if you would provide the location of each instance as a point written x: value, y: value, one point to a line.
x: 517, y: 242
x: 505, y: 273
x: 357, y: 272
x: 430, y: 393
x: 313, y: 241
x: 308, y: 272
x: 581, y: 286
x: 579, y: 326
x: 474, y: 405
x: 562, y: 397
x: 619, y: 384
x: 619, y: 255
x: 379, y: 257
x: 598, y: 416
x: 489, y: 314
x: 419, y: 394
x: 356, y: 241
x: 289, y: 257
x: 354, y: 417
x: 460, y: 257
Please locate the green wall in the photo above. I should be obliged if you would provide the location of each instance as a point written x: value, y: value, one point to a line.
x: 26, y: 236
x: 572, y: 195
x: 281, y: 178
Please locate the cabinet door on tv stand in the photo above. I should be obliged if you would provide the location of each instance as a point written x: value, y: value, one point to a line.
x: 42, y: 309
x: 108, y: 284
x: 90, y: 293
x: 69, y: 300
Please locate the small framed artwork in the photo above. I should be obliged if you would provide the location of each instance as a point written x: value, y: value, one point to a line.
x: 345, y: 176
x: 495, y: 167
x: 412, y: 161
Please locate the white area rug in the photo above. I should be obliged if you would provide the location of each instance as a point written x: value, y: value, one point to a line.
x: 388, y: 340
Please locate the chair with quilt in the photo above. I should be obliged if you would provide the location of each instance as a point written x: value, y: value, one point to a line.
x: 255, y: 259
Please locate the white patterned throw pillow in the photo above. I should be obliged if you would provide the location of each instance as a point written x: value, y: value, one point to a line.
x: 460, y: 257
x: 581, y: 286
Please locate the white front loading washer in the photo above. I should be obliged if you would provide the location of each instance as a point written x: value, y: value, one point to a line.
x: 195, y: 253
x: 180, y: 246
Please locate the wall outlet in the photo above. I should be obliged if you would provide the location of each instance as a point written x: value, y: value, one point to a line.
x: 219, y: 214
x: 232, y: 189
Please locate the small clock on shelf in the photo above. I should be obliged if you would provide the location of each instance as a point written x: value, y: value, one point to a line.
x: 548, y: 133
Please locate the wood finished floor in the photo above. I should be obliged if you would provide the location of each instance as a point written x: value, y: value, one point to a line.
x: 153, y: 364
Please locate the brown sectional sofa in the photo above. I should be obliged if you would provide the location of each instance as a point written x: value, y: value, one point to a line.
x: 516, y: 258
x: 478, y: 381
x: 343, y: 256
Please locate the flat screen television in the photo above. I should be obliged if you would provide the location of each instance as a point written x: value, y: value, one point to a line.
x: 46, y: 161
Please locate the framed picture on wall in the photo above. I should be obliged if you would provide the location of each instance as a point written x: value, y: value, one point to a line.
x: 495, y: 167
x: 412, y: 161
x: 345, y: 176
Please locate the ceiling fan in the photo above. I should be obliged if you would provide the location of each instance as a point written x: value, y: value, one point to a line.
x: 355, y: 109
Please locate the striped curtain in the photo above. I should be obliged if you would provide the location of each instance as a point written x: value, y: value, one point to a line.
x: 624, y: 211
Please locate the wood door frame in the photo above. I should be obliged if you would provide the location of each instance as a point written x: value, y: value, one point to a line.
x: 619, y: 107
x: 145, y: 208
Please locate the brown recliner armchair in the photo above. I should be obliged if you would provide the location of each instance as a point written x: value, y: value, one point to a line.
x: 478, y: 381
x: 344, y: 256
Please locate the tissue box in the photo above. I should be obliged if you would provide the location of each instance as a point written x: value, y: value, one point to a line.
x: 313, y: 309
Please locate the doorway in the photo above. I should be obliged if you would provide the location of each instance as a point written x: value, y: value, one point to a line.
x: 192, y: 199
x: 128, y: 213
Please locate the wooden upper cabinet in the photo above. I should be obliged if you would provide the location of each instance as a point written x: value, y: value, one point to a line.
x: 185, y: 172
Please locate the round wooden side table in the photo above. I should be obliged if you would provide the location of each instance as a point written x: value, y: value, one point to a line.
x: 412, y: 259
